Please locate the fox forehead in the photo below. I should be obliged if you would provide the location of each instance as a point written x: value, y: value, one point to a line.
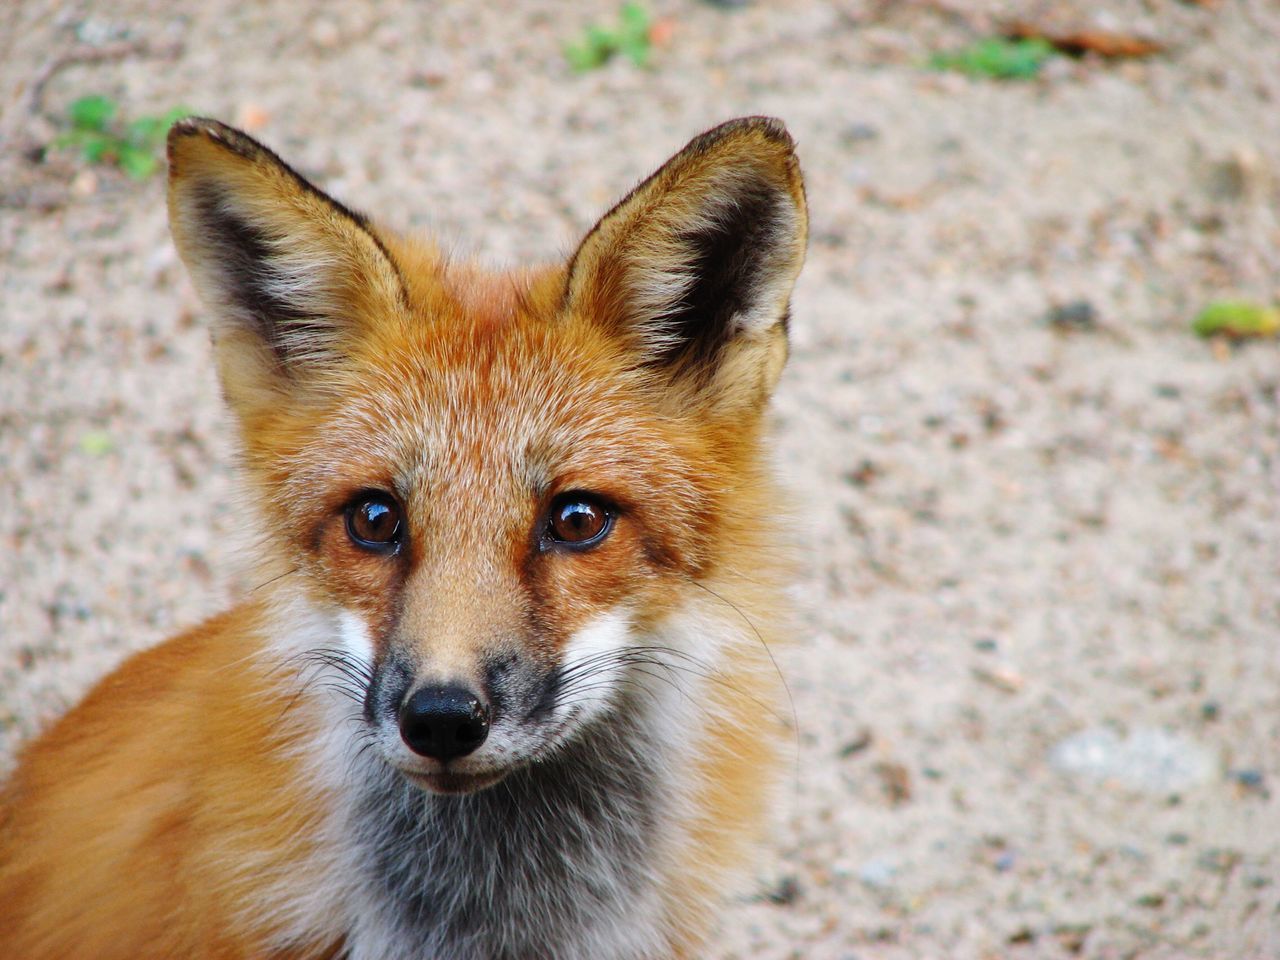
x: 492, y: 397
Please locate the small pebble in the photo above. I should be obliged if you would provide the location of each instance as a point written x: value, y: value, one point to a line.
x: 1003, y: 677
x: 325, y: 34
x: 1242, y: 174
x: 1075, y: 315
x: 859, y: 133
x: 877, y: 873
x: 895, y: 781
x: 1149, y: 760
x: 1219, y: 860
x: 252, y: 117
x: 863, y: 475
x: 1249, y: 781
x: 860, y: 742
x: 786, y: 892
x: 85, y: 184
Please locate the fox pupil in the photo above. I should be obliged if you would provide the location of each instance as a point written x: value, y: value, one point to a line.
x: 374, y: 521
x: 578, y: 521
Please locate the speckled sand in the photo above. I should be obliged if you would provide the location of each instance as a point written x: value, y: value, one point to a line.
x: 1015, y: 534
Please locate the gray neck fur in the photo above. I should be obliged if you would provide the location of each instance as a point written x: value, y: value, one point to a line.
x: 556, y: 861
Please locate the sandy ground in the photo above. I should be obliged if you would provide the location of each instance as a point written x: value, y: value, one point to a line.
x: 1037, y: 675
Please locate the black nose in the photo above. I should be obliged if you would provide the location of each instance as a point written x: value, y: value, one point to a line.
x: 443, y: 723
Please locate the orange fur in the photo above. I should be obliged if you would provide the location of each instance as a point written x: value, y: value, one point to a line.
x: 149, y: 791
x: 177, y: 811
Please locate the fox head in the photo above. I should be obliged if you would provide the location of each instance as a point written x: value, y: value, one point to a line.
x: 490, y: 494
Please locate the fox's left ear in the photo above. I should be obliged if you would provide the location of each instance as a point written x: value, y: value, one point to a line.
x: 694, y: 268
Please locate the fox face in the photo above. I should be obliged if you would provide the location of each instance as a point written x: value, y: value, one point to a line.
x: 487, y: 497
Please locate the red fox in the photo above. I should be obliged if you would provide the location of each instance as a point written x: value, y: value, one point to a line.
x: 504, y: 692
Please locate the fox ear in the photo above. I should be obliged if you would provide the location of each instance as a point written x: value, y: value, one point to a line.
x: 694, y: 268
x: 290, y: 274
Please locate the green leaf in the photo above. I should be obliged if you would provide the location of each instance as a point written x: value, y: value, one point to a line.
x: 582, y: 57
x: 598, y: 44
x: 96, y: 443
x: 601, y: 39
x: 635, y: 19
x: 637, y: 51
x: 633, y: 37
x: 91, y: 113
x: 1237, y: 318
x: 997, y: 58
x: 97, y: 147
x: 69, y: 138
x: 137, y: 163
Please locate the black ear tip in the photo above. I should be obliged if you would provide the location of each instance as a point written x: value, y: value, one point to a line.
x: 215, y: 131
x: 199, y: 126
x: 182, y: 130
x: 769, y: 128
x: 772, y: 128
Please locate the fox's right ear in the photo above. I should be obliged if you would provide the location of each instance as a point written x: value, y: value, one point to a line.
x: 293, y: 278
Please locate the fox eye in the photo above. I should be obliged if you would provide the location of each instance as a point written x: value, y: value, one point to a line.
x: 578, y: 519
x: 373, y: 522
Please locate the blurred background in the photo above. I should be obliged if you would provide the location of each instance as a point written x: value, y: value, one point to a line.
x: 1031, y: 422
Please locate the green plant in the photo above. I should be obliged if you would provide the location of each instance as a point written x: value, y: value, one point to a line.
x: 631, y: 37
x: 997, y: 57
x: 1237, y: 319
x: 100, y: 138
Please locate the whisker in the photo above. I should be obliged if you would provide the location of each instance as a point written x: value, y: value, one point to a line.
x: 280, y: 576
x: 585, y: 676
x: 791, y: 700
x: 330, y: 669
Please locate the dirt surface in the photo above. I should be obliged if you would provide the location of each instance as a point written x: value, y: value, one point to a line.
x: 1037, y: 658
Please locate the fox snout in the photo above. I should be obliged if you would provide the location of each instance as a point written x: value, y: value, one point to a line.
x: 455, y: 728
